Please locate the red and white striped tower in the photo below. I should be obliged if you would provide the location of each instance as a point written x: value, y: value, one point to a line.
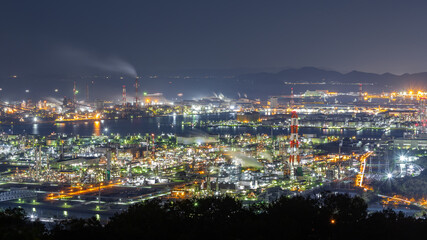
x: 124, y: 100
x: 294, y: 144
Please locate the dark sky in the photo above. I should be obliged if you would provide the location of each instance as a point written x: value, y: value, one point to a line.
x: 374, y: 36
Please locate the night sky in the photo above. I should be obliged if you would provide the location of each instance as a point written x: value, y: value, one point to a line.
x: 372, y: 36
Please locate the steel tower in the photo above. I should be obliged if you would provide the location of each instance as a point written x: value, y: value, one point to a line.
x: 294, y: 144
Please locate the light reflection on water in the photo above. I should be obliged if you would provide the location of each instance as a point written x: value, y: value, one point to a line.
x: 35, y: 128
x: 170, y: 124
x: 96, y: 128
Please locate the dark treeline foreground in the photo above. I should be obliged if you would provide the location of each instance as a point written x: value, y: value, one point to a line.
x: 328, y: 217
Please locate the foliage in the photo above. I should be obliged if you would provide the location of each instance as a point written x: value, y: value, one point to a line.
x: 330, y: 216
x: 413, y: 187
x: 14, y: 225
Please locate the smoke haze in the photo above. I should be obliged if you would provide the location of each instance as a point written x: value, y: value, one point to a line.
x: 110, y: 64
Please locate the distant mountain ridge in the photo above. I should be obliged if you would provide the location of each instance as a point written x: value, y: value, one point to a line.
x: 200, y: 83
x: 312, y: 74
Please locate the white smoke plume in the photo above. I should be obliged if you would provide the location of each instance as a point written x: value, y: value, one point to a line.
x: 243, y: 159
x: 111, y: 64
x: 54, y: 100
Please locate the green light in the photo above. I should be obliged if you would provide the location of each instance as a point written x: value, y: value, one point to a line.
x: 145, y: 93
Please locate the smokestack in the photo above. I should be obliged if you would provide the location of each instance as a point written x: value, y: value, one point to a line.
x: 292, y: 97
x: 294, y: 144
x: 108, y: 173
x: 136, y: 91
x: 153, y: 147
x: 87, y: 92
x: 74, y: 94
x: 124, y: 96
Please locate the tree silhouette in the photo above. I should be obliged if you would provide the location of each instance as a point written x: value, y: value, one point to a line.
x: 330, y: 216
x: 15, y: 225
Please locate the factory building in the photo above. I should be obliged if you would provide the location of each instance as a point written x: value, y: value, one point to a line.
x: 410, y: 143
x: 247, y: 117
x: 274, y: 102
